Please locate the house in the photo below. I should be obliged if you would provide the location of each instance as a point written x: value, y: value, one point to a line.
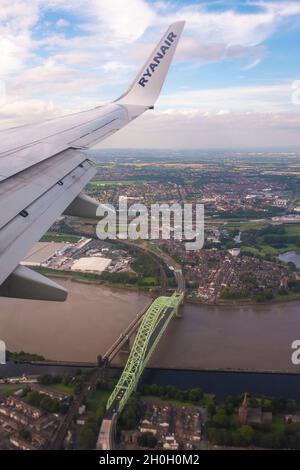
x: 170, y: 443
x: 292, y: 419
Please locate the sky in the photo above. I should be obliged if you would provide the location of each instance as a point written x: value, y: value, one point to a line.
x: 234, y: 82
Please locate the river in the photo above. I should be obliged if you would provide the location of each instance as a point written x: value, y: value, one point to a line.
x: 293, y: 256
x: 249, y: 337
x: 76, y: 330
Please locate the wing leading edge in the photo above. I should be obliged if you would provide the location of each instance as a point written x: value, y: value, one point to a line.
x: 42, y: 171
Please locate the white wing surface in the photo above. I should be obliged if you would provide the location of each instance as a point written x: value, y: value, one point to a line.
x: 43, y: 170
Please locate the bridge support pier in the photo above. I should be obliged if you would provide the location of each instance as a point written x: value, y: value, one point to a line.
x: 179, y: 313
x: 125, y: 349
x: 123, y: 353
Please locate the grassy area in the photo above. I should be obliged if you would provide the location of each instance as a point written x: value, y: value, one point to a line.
x: 270, y: 250
x: 8, y: 389
x: 287, y: 296
x: 146, y: 284
x: 278, y: 424
x: 250, y: 249
x: 264, y: 250
x: 115, y: 182
x: 251, y: 226
x: 63, y: 388
x: 178, y: 403
x: 292, y: 229
x: 97, y: 398
x: 270, y: 240
x: 88, y: 277
x: 60, y: 238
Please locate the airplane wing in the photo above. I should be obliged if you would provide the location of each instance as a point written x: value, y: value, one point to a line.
x: 43, y: 170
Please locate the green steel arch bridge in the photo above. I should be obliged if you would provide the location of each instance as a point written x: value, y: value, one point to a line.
x: 154, y: 323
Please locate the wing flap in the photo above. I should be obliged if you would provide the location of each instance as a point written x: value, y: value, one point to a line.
x: 20, y: 190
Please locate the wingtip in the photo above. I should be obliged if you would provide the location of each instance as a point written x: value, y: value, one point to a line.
x: 146, y: 86
x: 180, y: 23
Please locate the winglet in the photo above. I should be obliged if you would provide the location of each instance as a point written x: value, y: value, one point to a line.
x: 147, y: 85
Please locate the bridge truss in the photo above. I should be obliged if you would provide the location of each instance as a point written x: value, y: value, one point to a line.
x: 154, y: 323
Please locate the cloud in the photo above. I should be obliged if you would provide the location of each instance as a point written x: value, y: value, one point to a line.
x: 92, y: 48
x: 62, y: 23
x: 124, y: 21
x: 259, y: 98
x: 215, y: 35
x: 17, y: 17
x: 20, y: 112
x: 194, y: 129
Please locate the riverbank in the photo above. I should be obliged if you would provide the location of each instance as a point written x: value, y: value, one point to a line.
x: 90, y: 279
x: 48, y: 363
x: 244, y: 302
x: 219, y: 383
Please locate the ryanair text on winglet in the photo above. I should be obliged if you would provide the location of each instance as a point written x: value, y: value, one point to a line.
x: 157, y: 58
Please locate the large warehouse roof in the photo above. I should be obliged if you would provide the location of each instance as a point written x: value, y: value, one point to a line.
x: 41, y: 252
x: 93, y: 264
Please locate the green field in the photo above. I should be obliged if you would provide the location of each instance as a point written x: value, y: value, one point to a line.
x: 9, y: 389
x: 59, y: 238
x: 263, y: 250
x: 292, y: 229
x: 243, y: 226
x: 267, y: 240
x: 63, y: 388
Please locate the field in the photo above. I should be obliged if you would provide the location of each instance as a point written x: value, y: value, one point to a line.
x: 264, y: 250
x: 60, y: 238
x: 273, y: 243
x: 9, y: 389
x: 63, y: 388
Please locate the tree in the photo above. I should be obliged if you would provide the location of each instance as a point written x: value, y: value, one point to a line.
x: 147, y: 440
x: 45, y: 379
x: 195, y: 394
x: 87, y: 438
x: 34, y: 398
x: 220, y: 419
x: 88, y: 434
x: 131, y: 414
x: 100, y: 412
x: 245, y: 434
x: 25, y: 434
